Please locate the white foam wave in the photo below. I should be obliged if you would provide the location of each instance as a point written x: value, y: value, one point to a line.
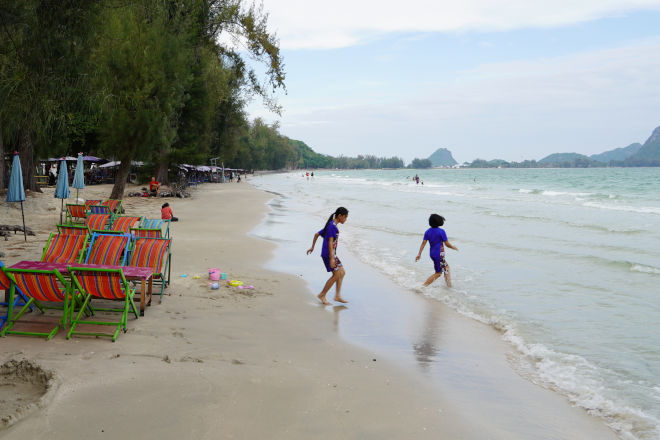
x: 626, y: 208
x: 644, y: 269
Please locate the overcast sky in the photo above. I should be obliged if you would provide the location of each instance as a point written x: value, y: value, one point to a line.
x: 489, y: 79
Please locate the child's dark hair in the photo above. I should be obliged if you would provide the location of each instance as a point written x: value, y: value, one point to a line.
x: 165, y: 205
x: 435, y: 221
x: 340, y: 211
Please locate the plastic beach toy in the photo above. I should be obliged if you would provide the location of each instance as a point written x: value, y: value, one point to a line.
x: 183, y: 275
x: 196, y: 277
x: 214, y: 286
x: 214, y: 274
x: 235, y: 283
x: 246, y: 287
x: 223, y: 276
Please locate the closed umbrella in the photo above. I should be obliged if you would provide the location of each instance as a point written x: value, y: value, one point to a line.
x: 79, y: 176
x: 15, y: 192
x: 62, y: 187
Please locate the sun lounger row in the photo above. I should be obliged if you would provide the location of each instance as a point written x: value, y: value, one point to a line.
x: 79, y: 212
x: 140, y: 227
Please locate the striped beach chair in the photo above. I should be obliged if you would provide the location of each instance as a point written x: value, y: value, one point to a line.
x: 18, y: 301
x: 73, y: 229
x: 124, y: 223
x: 153, y: 228
x: 38, y: 286
x: 75, y: 213
x: 107, y: 284
x: 114, y: 205
x: 154, y: 253
x: 108, y: 249
x: 98, y: 222
x: 64, y: 248
x: 99, y: 209
x: 89, y: 203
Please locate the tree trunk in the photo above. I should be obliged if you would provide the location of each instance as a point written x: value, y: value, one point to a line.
x: 26, y: 154
x: 120, y: 179
x: 161, y: 174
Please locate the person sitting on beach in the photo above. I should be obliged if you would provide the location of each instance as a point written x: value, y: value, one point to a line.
x: 166, y: 213
x: 330, y: 235
x: 154, y: 187
x: 438, y: 238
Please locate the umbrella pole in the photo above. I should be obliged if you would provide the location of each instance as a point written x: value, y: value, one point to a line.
x: 76, y: 197
x: 23, y: 215
x: 61, y: 209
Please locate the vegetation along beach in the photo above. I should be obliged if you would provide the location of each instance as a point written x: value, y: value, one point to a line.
x: 165, y: 165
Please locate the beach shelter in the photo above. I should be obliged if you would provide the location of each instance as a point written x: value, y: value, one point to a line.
x: 79, y: 176
x: 62, y: 187
x: 16, y: 192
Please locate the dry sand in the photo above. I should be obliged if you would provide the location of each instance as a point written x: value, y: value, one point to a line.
x: 235, y: 364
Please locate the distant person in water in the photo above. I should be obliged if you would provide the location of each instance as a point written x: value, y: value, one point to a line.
x: 438, y: 239
x: 166, y: 213
x: 330, y: 235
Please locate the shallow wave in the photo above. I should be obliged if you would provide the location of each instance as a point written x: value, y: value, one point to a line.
x: 626, y: 208
x: 644, y: 269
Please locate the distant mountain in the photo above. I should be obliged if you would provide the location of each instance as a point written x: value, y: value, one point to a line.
x: 617, y: 154
x: 558, y: 158
x: 442, y: 158
x: 651, y: 148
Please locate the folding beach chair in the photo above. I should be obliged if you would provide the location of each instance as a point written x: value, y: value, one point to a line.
x: 123, y: 223
x: 64, y: 248
x: 108, y: 249
x: 154, y: 253
x: 38, y: 286
x: 108, y: 284
x: 19, y: 298
x: 73, y: 229
x: 153, y: 226
x: 75, y: 213
x: 113, y: 204
x: 98, y: 222
x: 99, y: 209
x: 89, y: 203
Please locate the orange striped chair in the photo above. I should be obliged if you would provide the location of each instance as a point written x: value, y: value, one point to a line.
x: 18, y: 300
x: 108, y: 249
x: 155, y: 253
x: 98, y: 222
x: 108, y: 284
x: 113, y: 204
x: 75, y: 212
x: 64, y: 248
x: 73, y: 229
x: 123, y: 223
x: 89, y: 203
x: 39, y: 286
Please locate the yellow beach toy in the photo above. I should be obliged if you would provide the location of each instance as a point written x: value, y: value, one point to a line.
x: 235, y: 283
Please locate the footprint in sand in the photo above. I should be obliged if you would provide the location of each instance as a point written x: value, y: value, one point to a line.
x: 23, y: 387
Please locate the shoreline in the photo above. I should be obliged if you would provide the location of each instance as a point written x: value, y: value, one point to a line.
x: 267, y: 362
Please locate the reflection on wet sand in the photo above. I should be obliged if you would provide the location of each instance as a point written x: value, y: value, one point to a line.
x: 425, y: 349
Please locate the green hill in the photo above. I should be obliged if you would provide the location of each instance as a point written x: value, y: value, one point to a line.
x: 442, y: 158
x: 617, y: 154
x: 651, y: 148
x: 558, y: 158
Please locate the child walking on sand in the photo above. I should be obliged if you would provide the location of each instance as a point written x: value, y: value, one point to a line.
x: 330, y: 235
x: 438, y: 238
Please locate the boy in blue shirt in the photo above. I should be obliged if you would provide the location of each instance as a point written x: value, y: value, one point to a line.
x: 438, y: 238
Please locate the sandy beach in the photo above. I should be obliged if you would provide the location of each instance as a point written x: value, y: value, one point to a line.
x: 263, y: 363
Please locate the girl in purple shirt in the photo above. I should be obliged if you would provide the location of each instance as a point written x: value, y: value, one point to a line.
x: 438, y: 238
x: 330, y: 235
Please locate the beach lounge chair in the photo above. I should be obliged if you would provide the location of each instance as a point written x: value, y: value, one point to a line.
x: 89, y: 203
x: 108, y: 249
x: 19, y: 298
x: 64, y: 248
x: 75, y: 213
x: 98, y: 222
x: 99, y: 209
x: 155, y: 253
x: 73, y: 229
x: 38, y: 286
x: 107, y: 284
x: 123, y: 223
x: 114, y: 205
x: 155, y: 224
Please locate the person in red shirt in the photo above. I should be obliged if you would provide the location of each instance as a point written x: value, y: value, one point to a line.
x: 154, y: 186
x: 166, y: 213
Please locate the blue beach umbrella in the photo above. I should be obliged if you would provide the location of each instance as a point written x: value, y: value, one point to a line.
x: 79, y: 176
x: 62, y: 187
x: 15, y: 192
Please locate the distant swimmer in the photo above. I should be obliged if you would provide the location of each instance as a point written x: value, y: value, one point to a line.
x: 330, y: 235
x: 438, y: 238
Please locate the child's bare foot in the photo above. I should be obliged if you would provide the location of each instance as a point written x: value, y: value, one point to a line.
x: 323, y: 300
x: 340, y: 299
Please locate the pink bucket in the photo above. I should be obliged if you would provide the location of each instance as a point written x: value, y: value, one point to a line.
x: 214, y: 274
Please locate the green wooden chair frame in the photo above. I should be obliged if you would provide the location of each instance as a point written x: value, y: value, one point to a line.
x: 160, y: 263
x: 75, y: 212
x: 19, y: 300
x: 65, y: 248
x: 108, y: 284
x: 30, y: 283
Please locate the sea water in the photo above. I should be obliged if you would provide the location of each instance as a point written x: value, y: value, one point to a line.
x: 565, y: 263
